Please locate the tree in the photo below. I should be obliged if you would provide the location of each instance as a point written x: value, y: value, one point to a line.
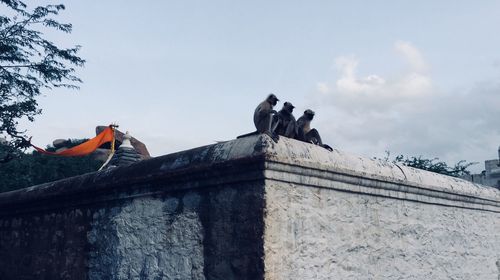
x: 433, y: 165
x: 34, y: 168
x: 29, y: 63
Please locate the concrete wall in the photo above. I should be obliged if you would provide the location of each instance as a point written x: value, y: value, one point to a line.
x: 338, y: 216
x: 253, y: 209
x: 192, y: 215
x: 326, y: 234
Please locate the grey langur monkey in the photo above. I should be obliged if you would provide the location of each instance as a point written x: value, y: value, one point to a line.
x: 265, y: 117
x: 306, y: 134
x: 287, y: 125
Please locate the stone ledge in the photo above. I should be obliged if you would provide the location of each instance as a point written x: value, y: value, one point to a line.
x: 255, y: 158
x: 232, y: 161
x: 296, y: 153
x: 355, y: 184
x: 309, y: 165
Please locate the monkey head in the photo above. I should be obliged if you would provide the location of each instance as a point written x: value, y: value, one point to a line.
x: 272, y: 99
x: 287, y: 106
x: 309, y: 114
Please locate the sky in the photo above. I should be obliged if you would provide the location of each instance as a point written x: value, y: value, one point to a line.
x: 409, y: 77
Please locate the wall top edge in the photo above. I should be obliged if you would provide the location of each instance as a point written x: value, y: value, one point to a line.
x: 293, y: 152
x: 256, y: 148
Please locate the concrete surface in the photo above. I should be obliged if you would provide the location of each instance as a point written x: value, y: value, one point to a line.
x: 252, y: 209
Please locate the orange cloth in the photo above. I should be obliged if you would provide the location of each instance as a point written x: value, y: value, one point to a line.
x: 107, y: 135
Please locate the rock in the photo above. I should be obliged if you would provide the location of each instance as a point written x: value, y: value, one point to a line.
x: 101, y: 154
x: 61, y: 149
x: 60, y: 143
x: 138, y: 145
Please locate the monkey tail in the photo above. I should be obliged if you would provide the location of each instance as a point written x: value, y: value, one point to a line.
x: 248, y: 134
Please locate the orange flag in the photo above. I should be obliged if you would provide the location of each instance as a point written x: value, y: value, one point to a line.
x: 107, y: 135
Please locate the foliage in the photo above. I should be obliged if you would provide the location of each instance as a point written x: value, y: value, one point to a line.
x: 434, y: 165
x: 30, y: 63
x: 34, y: 168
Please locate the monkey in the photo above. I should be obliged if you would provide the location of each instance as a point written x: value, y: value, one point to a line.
x: 265, y: 118
x: 287, y: 125
x: 306, y: 134
x: 263, y: 115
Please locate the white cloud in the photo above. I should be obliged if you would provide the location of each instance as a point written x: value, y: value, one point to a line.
x: 405, y: 113
x: 412, y: 55
x: 348, y: 82
x: 413, y: 83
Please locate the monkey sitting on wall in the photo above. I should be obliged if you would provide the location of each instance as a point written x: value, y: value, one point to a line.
x: 306, y: 134
x: 265, y: 118
x: 287, y: 125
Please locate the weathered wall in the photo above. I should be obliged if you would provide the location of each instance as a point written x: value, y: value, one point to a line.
x: 187, y: 235
x: 252, y: 209
x: 326, y: 234
x: 192, y: 215
x: 335, y: 216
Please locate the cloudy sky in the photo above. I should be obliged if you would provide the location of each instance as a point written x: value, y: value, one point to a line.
x: 411, y: 77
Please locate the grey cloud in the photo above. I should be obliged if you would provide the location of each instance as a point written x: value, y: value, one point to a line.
x: 428, y: 122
